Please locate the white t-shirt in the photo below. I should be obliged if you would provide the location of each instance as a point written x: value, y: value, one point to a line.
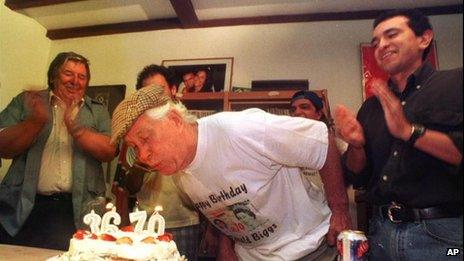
x: 245, y: 178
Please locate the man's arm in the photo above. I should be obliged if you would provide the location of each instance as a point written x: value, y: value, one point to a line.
x: 350, y: 130
x: 435, y: 143
x: 96, y: 144
x: 225, y: 249
x: 17, y: 138
x: 440, y: 146
x: 334, y: 186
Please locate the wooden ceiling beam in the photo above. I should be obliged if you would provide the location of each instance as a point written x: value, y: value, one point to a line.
x: 185, y: 12
x: 23, y: 4
x: 118, y: 28
x: 174, y: 23
x: 356, y: 15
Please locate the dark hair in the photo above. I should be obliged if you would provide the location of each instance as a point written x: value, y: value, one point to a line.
x: 317, y: 102
x: 61, y: 59
x: 154, y: 69
x: 309, y: 95
x: 417, y: 21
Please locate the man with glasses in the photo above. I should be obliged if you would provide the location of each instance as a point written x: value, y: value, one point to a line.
x: 153, y: 189
x: 58, y: 139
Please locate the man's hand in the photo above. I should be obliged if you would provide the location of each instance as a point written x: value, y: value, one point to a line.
x: 17, y: 138
x: 91, y: 141
x: 397, y: 123
x: 70, y: 118
x: 339, y: 221
x: 38, y: 109
x: 348, y: 127
x: 225, y: 250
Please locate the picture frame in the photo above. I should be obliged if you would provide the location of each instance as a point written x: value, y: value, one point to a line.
x: 370, y: 70
x: 202, y: 74
x: 109, y: 95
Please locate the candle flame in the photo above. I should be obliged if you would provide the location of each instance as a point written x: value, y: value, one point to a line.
x: 109, y: 206
x: 158, y: 208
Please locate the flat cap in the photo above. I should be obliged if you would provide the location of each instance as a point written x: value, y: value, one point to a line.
x: 127, y: 112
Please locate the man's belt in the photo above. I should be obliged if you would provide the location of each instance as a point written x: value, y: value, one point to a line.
x: 398, y: 213
x: 62, y: 196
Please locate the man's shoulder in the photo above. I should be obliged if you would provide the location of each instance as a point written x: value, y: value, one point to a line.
x: 448, y: 81
x: 452, y: 74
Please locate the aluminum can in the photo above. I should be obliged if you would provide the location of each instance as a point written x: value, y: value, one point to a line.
x: 352, y: 246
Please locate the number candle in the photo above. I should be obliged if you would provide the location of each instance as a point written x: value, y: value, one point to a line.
x: 93, y: 220
x: 106, y: 226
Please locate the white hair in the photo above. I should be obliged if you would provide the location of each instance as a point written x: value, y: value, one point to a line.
x: 161, y: 112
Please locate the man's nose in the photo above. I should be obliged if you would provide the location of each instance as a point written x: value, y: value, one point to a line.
x: 143, y: 156
x: 75, y: 79
x: 383, y: 43
x: 298, y: 112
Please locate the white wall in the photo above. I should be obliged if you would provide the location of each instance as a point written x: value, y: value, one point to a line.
x: 24, y: 57
x: 24, y: 54
x: 327, y: 53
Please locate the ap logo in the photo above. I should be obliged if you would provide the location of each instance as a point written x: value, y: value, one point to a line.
x: 453, y: 252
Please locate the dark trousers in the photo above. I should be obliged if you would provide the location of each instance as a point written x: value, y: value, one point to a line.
x: 50, y: 224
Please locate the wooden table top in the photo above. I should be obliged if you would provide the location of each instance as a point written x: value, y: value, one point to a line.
x: 21, y: 253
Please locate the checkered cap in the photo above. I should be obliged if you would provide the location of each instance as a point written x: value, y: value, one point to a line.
x: 133, y: 106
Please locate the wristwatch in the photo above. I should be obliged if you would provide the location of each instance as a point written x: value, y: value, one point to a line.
x: 417, y: 131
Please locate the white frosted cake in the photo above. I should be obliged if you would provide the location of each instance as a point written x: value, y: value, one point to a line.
x: 108, y: 242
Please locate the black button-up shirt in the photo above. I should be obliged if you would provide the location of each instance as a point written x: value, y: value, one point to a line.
x: 397, y: 171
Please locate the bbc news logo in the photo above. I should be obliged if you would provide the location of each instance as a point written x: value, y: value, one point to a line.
x: 453, y: 252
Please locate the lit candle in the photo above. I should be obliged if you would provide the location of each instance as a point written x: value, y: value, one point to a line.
x: 154, y: 219
x: 140, y: 217
x: 106, y: 226
x: 93, y: 220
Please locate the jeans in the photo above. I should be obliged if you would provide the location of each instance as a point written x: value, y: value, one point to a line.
x: 422, y: 240
x: 187, y: 240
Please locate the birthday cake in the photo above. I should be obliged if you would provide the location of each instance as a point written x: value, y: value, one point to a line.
x: 106, y: 241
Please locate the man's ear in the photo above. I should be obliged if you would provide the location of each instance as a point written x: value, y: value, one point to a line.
x: 173, y: 90
x: 319, y: 114
x: 426, y: 39
x: 174, y: 116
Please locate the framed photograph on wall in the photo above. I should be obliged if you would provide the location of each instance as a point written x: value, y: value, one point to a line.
x: 109, y: 95
x: 370, y: 70
x: 203, y: 74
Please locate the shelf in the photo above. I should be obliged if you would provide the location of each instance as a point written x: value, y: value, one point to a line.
x: 205, y: 100
x: 262, y: 96
x: 203, y: 96
x: 229, y: 101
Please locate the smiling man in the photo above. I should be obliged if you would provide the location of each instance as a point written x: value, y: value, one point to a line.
x: 58, y: 139
x: 405, y: 146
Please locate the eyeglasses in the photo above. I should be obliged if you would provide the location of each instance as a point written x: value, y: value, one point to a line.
x: 131, y: 160
x: 141, y: 167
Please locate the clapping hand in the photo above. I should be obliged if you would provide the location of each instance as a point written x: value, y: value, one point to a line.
x: 70, y: 117
x: 348, y: 127
x: 397, y: 123
x: 36, y: 104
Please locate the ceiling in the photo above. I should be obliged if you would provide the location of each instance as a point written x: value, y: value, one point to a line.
x: 78, y: 18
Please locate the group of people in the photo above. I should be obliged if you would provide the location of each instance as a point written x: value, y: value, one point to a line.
x: 196, y: 81
x: 244, y: 171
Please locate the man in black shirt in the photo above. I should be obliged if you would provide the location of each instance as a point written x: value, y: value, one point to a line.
x: 405, y: 147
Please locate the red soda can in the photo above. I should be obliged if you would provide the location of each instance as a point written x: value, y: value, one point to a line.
x: 352, y: 246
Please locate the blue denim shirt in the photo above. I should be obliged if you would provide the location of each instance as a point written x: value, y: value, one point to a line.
x: 18, y: 188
